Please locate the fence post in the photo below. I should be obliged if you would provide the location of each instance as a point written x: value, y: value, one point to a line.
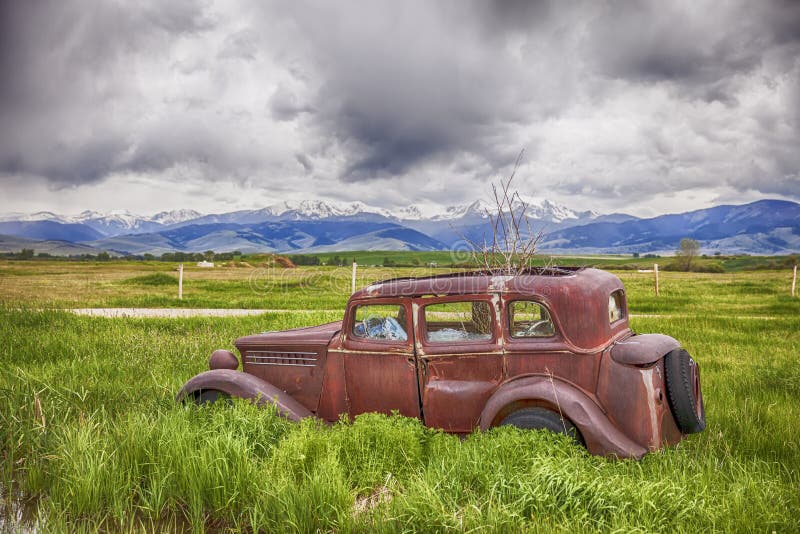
x: 655, y: 270
x: 794, y: 279
x: 353, y: 281
x: 180, y: 281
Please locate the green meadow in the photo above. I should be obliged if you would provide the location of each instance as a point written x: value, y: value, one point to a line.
x: 92, y: 440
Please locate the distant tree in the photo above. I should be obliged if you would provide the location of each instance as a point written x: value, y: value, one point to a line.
x: 26, y: 253
x: 635, y: 254
x: 103, y: 256
x: 718, y: 253
x: 415, y: 262
x: 209, y: 255
x: 302, y: 259
x: 687, y: 251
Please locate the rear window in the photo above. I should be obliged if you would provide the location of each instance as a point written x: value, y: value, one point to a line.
x: 458, y: 321
x: 616, y: 306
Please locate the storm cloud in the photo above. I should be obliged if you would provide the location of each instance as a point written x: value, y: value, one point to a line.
x: 618, y: 105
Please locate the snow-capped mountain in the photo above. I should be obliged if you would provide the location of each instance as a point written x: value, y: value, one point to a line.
x: 546, y: 210
x: 31, y: 217
x: 768, y: 226
x: 175, y: 216
x: 479, y: 209
x: 110, y: 223
x: 321, y: 209
x: 116, y: 222
x: 538, y: 210
x: 120, y: 221
x: 411, y: 213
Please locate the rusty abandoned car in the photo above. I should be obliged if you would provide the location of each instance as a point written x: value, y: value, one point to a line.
x: 543, y: 349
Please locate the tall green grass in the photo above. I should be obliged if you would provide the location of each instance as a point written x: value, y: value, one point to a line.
x: 111, y: 451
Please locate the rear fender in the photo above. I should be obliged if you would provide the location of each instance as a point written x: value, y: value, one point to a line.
x: 245, y: 386
x: 643, y: 349
x: 599, y: 434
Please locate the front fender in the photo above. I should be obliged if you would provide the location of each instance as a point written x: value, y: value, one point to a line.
x: 600, y: 435
x: 245, y: 386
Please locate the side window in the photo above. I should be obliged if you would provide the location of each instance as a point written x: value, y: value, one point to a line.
x: 529, y: 319
x: 616, y: 306
x: 458, y: 321
x: 380, y: 322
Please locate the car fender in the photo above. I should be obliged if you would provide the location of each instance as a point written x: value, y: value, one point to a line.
x: 643, y: 349
x: 599, y: 433
x: 246, y: 386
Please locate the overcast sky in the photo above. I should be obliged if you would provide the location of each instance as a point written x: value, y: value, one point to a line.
x: 641, y: 107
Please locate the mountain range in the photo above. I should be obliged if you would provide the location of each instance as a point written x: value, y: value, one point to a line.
x: 762, y: 227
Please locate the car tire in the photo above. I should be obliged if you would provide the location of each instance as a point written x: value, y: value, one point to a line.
x: 683, y: 391
x: 211, y: 396
x: 535, y: 418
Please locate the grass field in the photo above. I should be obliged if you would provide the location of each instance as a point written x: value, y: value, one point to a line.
x: 92, y: 440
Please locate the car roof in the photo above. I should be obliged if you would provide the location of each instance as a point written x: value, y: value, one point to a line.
x: 471, y: 282
x: 578, y: 296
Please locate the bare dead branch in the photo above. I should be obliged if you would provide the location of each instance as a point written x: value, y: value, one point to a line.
x: 513, y: 242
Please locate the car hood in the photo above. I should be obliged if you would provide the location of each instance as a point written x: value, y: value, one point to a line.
x: 314, y: 335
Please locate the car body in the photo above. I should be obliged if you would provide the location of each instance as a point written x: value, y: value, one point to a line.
x: 543, y: 348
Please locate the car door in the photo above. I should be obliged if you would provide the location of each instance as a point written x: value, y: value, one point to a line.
x: 534, y: 344
x: 461, y: 360
x: 379, y: 361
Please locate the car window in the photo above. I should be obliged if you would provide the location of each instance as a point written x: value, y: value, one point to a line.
x: 458, y: 321
x: 616, y: 310
x: 381, y: 322
x: 530, y: 319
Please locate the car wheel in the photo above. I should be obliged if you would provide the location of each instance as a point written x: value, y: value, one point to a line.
x: 536, y: 418
x: 683, y: 391
x: 211, y: 396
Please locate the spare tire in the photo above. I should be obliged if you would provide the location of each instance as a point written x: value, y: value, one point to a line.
x: 683, y: 391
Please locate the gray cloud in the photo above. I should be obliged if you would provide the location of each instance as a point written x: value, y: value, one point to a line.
x: 305, y: 162
x: 413, y: 88
x: 615, y: 102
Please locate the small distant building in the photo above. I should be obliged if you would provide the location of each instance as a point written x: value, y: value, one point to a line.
x: 204, y: 263
x: 433, y: 264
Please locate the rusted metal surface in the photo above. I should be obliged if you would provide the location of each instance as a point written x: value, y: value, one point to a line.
x: 580, y: 294
x: 223, y: 359
x: 245, y: 386
x: 601, y: 437
x: 635, y: 400
x: 588, y: 368
x: 333, y: 398
x: 380, y: 375
x: 643, y: 349
x: 292, y: 360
